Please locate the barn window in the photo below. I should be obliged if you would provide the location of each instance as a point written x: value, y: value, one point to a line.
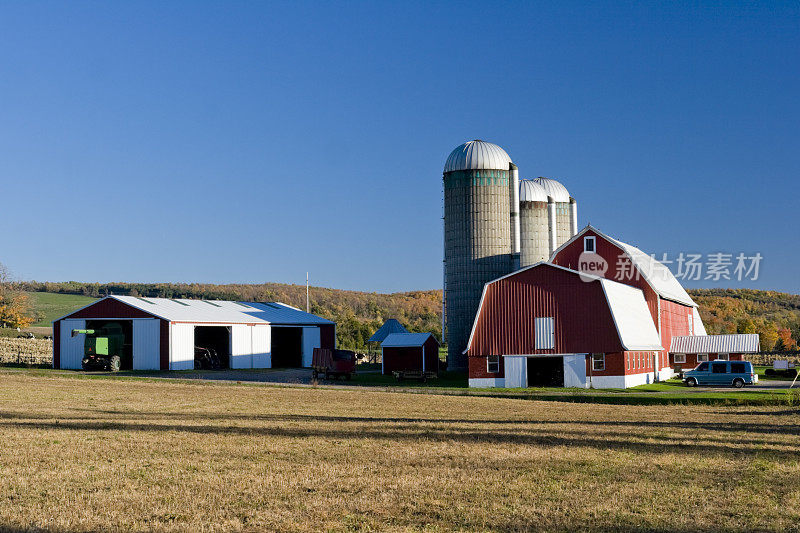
x: 702, y: 357
x: 679, y: 357
x: 722, y: 356
x: 545, y: 333
x: 589, y: 244
x: 691, y: 326
x: 598, y: 361
x: 493, y: 364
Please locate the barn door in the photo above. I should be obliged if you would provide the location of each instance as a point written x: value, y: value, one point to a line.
x: 71, y: 347
x: 146, y: 344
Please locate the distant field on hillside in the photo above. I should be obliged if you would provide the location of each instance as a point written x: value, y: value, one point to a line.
x: 103, y: 454
x: 52, y: 306
x: 773, y: 315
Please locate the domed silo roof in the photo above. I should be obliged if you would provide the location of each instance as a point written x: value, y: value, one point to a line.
x: 477, y: 155
x: 530, y: 191
x: 554, y: 189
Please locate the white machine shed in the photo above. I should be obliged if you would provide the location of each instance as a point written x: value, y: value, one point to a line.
x: 163, y: 333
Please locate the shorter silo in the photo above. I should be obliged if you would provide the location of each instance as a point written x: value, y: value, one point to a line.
x: 562, y: 213
x: 534, y: 228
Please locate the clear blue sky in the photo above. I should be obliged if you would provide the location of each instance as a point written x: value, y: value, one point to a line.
x: 250, y: 142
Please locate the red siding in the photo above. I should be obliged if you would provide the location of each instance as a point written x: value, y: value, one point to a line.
x: 110, y: 308
x: 674, y: 321
x: 691, y: 360
x: 641, y: 362
x: 505, y: 323
x: 615, y: 365
x: 432, y: 355
x: 57, y: 344
x: 327, y: 336
x: 478, y: 368
x: 410, y: 358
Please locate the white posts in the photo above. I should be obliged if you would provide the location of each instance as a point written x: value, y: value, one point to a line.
x: 573, y: 218
x: 514, y: 212
x: 551, y: 223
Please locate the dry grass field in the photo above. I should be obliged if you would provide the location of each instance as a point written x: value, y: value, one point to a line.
x: 98, y: 454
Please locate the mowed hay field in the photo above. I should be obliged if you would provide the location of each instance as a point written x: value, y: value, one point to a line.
x: 97, y: 454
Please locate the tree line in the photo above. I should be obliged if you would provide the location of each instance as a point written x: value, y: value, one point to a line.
x: 357, y: 314
x: 775, y: 316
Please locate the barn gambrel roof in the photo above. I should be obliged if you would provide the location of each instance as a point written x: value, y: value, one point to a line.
x: 632, y: 318
x: 654, y: 272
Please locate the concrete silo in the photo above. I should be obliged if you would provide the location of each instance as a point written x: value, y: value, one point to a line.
x: 481, y: 233
x: 533, y: 221
x: 562, y: 213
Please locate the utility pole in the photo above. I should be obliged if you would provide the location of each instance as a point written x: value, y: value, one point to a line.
x: 308, y: 307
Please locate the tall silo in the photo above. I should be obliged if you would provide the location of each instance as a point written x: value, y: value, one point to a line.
x: 480, y: 185
x: 533, y: 221
x: 562, y: 211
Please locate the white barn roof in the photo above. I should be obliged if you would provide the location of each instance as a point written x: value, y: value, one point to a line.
x: 219, y: 311
x: 402, y: 340
x: 660, y: 277
x: 737, y: 343
x: 631, y: 316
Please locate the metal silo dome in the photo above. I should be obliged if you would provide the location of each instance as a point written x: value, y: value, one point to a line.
x: 531, y: 191
x: 477, y: 155
x: 554, y: 189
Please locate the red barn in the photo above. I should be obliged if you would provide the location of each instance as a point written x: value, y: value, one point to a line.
x: 601, y: 313
x: 548, y: 325
x: 673, y: 311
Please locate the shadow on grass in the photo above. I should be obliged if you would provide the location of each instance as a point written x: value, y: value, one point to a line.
x: 532, y: 433
x: 736, y: 427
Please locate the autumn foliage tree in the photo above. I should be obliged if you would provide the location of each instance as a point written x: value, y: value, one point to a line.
x: 785, y: 340
x: 15, y: 308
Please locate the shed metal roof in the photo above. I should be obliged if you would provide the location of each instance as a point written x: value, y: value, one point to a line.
x: 390, y: 326
x: 736, y: 343
x: 220, y: 311
x: 402, y: 340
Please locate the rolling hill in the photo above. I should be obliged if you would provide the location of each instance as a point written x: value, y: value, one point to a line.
x: 774, y: 315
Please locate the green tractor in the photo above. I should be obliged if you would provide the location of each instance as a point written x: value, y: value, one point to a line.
x: 103, y: 347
